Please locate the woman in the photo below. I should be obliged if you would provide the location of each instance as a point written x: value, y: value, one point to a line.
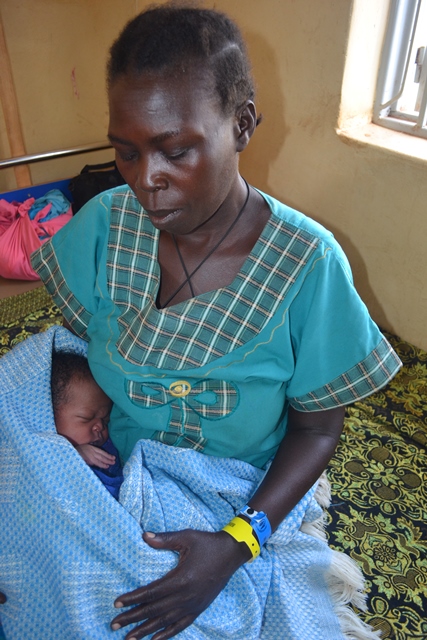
x: 217, y: 318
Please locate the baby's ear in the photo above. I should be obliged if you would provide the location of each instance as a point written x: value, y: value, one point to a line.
x: 246, y: 123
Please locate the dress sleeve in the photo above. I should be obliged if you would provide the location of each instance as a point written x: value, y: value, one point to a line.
x: 68, y: 263
x: 340, y: 354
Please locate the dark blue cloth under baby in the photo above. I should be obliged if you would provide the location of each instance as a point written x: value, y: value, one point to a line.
x: 112, y: 477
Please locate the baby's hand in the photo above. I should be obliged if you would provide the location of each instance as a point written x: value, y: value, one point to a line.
x: 95, y: 457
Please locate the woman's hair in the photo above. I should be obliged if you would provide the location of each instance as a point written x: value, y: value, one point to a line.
x: 167, y: 38
x: 66, y: 367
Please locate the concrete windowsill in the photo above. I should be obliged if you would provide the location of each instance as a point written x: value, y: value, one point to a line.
x: 374, y: 135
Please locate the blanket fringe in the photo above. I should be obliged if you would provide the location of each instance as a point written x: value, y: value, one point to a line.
x: 344, y: 578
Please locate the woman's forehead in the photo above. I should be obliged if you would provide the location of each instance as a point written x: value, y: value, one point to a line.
x: 183, y: 92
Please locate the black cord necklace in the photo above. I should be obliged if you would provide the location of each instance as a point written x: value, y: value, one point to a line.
x: 188, y: 276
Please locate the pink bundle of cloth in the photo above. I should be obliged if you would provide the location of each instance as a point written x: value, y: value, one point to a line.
x: 23, y: 229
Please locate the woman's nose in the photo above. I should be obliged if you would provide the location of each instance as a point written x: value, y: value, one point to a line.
x: 150, y: 177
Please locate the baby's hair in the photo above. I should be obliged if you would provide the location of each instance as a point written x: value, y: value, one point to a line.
x: 66, y: 367
x: 168, y: 38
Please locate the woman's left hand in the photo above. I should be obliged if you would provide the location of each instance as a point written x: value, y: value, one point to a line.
x: 168, y: 605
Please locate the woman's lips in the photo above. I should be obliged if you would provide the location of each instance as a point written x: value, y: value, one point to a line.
x: 162, y: 217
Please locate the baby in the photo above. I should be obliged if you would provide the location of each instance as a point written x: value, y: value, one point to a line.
x: 82, y: 412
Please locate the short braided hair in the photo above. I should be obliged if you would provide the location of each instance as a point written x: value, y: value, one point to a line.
x: 167, y: 38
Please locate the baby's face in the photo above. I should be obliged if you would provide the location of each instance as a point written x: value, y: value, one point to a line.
x: 84, y: 418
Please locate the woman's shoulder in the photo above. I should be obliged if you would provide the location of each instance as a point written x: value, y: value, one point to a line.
x: 96, y: 215
x: 294, y: 218
x: 104, y: 202
x: 294, y: 223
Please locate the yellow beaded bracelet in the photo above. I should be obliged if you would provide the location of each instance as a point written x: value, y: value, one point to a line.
x: 242, y: 531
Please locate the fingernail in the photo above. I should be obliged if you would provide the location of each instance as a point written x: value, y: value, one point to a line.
x: 149, y: 534
x: 118, y: 604
x: 115, y: 626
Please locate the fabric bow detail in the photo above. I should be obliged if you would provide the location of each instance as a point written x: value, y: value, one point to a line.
x: 207, y: 399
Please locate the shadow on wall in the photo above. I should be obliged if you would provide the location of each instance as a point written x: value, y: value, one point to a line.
x: 270, y: 136
x: 266, y: 145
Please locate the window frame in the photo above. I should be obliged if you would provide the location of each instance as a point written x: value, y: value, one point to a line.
x: 395, y: 60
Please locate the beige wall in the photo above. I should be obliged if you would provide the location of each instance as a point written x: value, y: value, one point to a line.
x: 374, y: 200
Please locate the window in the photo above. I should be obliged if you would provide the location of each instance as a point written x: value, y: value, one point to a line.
x: 401, y: 98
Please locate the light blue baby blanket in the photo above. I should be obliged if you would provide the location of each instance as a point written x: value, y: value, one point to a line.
x: 68, y: 548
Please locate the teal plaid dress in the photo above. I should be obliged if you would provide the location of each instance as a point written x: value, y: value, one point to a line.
x: 215, y: 373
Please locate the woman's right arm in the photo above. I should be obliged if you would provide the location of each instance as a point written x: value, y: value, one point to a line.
x: 69, y: 263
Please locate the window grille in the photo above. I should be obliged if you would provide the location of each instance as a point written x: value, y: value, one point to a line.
x: 401, y: 98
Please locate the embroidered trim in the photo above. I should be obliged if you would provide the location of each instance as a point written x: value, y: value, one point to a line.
x: 363, y: 379
x: 205, y: 328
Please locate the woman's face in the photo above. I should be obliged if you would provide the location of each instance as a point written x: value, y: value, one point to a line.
x: 174, y: 147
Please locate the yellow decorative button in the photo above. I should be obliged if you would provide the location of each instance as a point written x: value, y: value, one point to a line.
x: 180, y: 388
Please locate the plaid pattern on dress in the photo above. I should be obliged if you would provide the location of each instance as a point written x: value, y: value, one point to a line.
x: 200, y: 330
x: 358, y: 382
x: 45, y: 263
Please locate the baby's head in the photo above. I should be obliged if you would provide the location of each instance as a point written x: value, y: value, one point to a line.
x: 81, y: 408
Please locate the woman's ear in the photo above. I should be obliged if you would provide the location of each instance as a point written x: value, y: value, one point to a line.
x: 246, y: 122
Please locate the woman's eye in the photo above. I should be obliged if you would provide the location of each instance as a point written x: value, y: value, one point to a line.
x: 127, y: 157
x: 177, y: 155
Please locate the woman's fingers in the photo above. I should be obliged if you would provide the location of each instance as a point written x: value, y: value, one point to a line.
x: 173, y: 540
x: 170, y: 604
x: 163, y: 609
x: 166, y: 625
x: 158, y: 588
x: 153, y: 592
x: 167, y: 631
x: 2, y: 598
